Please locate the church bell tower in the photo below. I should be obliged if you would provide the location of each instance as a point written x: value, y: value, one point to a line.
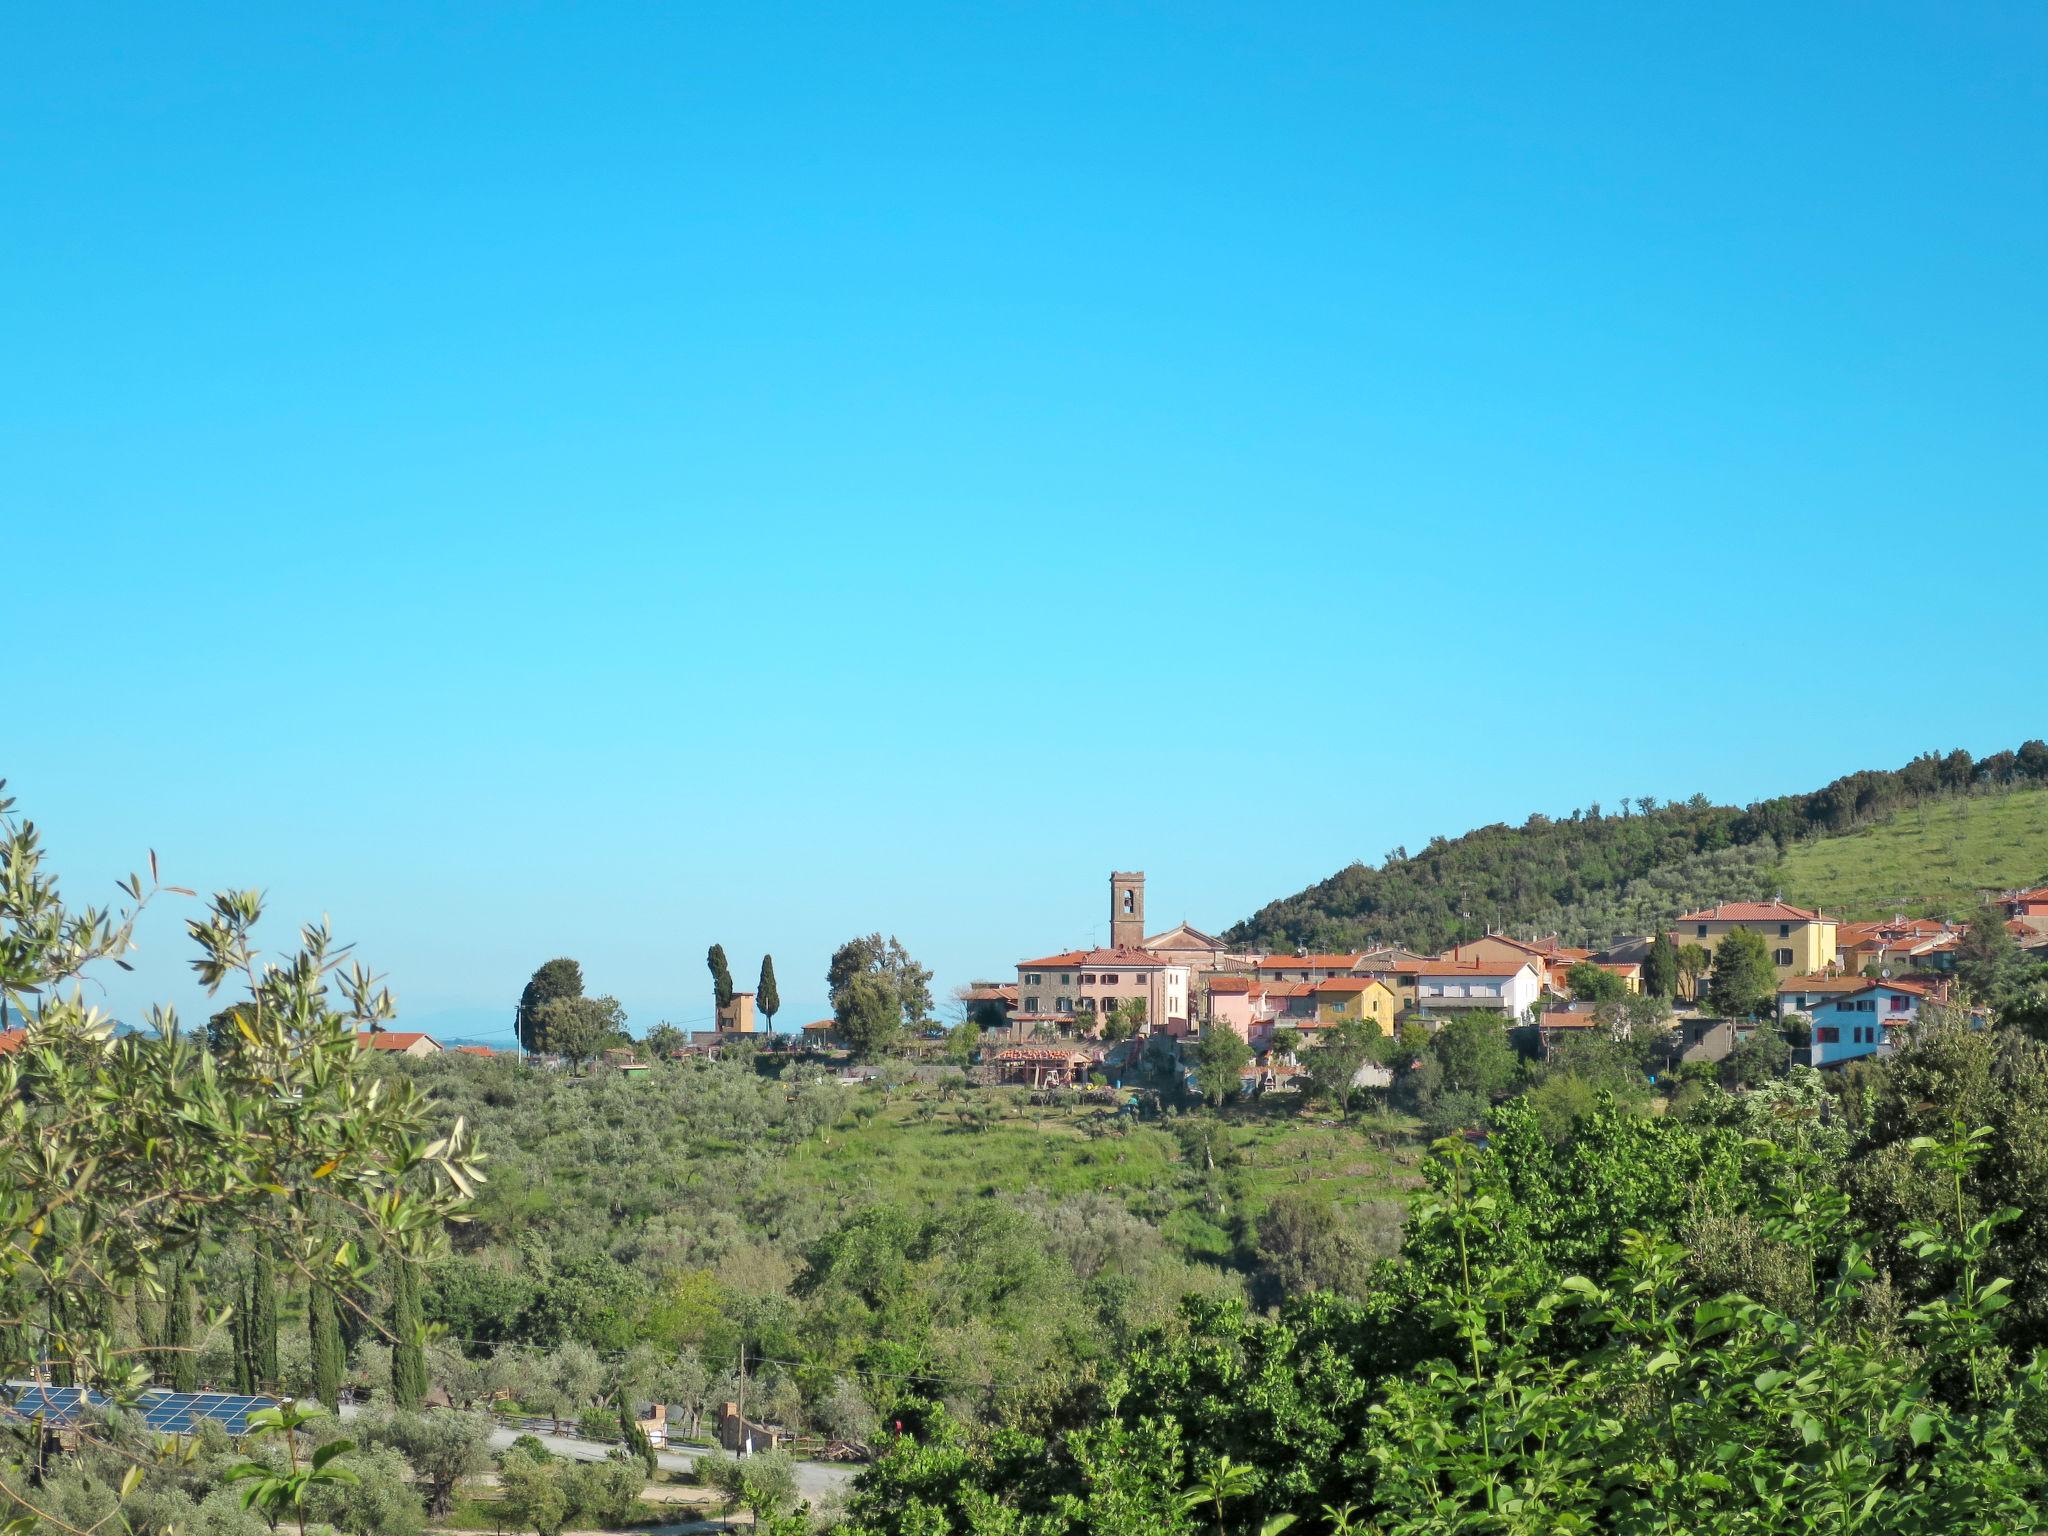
x: 1127, y: 909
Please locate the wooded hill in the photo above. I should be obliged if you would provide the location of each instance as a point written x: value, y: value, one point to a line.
x: 1592, y: 876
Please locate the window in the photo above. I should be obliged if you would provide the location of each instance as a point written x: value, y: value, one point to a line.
x: 1033, y: 979
x: 1703, y: 930
x: 1784, y: 930
x: 1900, y: 1004
x: 1866, y: 1005
x: 1111, y: 979
x: 1827, y: 1034
x: 1031, y: 1003
x: 1087, y: 981
x: 1130, y: 902
x: 1781, y: 957
x: 1066, y: 978
x: 1064, y: 1005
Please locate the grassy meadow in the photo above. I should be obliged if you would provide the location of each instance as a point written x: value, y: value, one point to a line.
x: 922, y: 1147
x: 1931, y: 861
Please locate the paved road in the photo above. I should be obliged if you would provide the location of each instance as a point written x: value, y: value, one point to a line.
x: 815, y: 1480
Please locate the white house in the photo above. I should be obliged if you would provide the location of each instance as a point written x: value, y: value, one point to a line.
x: 1506, y: 986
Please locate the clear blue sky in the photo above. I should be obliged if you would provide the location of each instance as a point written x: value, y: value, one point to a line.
x: 600, y: 479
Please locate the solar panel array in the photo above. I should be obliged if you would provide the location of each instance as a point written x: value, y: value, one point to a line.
x: 168, y: 1413
x: 55, y: 1405
x: 180, y: 1413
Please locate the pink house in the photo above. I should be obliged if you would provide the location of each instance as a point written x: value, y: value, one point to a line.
x: 1083, y: 984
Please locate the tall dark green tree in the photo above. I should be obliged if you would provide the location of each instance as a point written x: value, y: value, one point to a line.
x: 323, y: 1324
x: 1743, y: 981
x: 1660, y: 967
x: 178, y: 1366
x: 263, y: 1320
x: 1987, y: 959
x: 721, y: 975
x: 408, y: 1347
x: 634, y: 1438
x: 243, y: 1333
x: 558, y: 978
x: 766, y: 998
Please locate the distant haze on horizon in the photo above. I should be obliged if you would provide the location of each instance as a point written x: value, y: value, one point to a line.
x: 598, y: 482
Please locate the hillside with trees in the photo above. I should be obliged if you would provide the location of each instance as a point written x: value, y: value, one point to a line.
x: 1594, y: 875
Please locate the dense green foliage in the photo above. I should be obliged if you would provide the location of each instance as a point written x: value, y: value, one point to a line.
x: 1591, y: 877
x: 130, y: 1167
x: 555, y: 979
x: 1671, y: 1324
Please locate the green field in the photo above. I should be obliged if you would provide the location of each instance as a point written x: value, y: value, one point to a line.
x: 919, y: 1147
x: 1931, y: 861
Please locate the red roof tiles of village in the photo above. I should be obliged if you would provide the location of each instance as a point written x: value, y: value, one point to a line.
x: 1231, y: 984
x: 392, y: 1039
x: 1474, y: 967
x: 1310, y: 962
x: 1123, y: 959
x: 1846, y: 985
x: 1752, y: 912
x: 474, y: 1050
x: 11, y: 1040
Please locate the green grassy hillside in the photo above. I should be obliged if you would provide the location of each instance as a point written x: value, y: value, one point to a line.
x: 916, y: 1153
x: 1929, y: 861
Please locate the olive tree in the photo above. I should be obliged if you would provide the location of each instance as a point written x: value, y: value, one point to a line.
x: 124, y: 1160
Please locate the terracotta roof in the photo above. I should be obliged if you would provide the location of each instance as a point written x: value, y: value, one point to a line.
x: 1844, y: 986
x: 1752, y: 912
x: 474, y: 1050
x: 1114, y: 959
x: 1498, y: 938
x: 1487, y: 968
x: 1892, y: 931
x: 1309, y: 962
x: 1347, y: 984
x: 1067, y: 1055
x: 1566, y: 1021
x: 819, y: 1026
x: 11, y: 1040
x: 1289, y: 988
x: 393, y: 1039
x: 1231, y: 983
x: 1621, y: 967
x: 1002, y: 992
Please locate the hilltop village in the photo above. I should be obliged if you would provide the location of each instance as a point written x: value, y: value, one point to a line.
x: 1840, y: 990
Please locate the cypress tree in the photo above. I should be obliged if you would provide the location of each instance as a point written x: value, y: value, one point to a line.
x: 408, y: 1349
x: 181, y: 1363
x: 324, y: 1327
x: 721, y: 975
x: 766, y: 998
x: 244, y: 1335
x: 1660, y: 967
x: 263, y: 1321
x: 634, y: 1437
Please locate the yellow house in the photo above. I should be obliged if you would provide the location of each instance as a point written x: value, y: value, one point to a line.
x: 1356, y: 997
x: 1801, y: 943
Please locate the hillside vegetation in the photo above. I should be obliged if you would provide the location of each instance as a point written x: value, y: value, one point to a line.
x: 1592, y: 875
x: 1930, y: 861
